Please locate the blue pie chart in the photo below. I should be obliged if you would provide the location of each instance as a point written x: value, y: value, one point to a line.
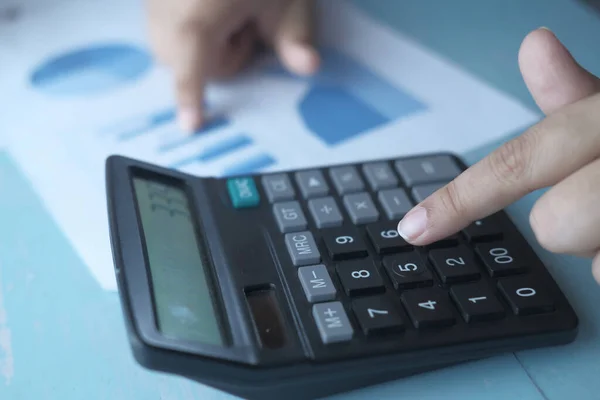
x: 91, y: 70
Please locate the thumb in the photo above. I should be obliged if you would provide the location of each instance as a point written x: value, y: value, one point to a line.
x: 294, y: 38
x: 551, y: 74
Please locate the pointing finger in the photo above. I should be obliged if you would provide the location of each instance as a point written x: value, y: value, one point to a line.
x: 544, y: 155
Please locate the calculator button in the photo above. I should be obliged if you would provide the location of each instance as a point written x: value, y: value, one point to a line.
x: 278, y: 187
x: 312, y: 183
x: 325, y: 212
x: 316, y: 283
x: 332, y: 322
x: 422, y: 192
x: 428, y: 169
x: 385, y: 238
x: 526, y: 296
x: 302, y: 248
x: 408, y: 271
x: 243, y: 192
x: 428, y: 308
x: 289, y: 216
x: 476, y: 302
x: 455, y: 264
x: 361, y: 208
x: 344, y: 243
x: 395, y: 203
x: 360, y: 277
x: 500, y: 258
x: 486, y: 229
x: 346, y: 179
x: 380, y: 175
x: 377, y: 315
x: 450, y: 241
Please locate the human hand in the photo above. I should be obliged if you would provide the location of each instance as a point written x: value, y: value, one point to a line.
x: 562, y: 151
x: 202, y: 40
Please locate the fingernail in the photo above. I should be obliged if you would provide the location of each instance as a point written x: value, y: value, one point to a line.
x: 545, y: 28
x: 189, y: 119
x: 302, y: 58
x: 413, y: 224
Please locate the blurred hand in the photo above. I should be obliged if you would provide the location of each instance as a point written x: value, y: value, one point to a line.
x: 202, y: 40
x: 562, y: 151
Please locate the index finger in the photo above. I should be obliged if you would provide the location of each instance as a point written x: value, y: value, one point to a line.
x: 544, y: 155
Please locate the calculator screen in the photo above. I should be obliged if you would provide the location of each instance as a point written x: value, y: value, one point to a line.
x: 183, y: 300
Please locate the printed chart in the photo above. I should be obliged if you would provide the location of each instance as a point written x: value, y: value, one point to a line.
x: 98, y: 93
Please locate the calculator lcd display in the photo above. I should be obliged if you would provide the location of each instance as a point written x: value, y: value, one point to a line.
x: 184, y: 305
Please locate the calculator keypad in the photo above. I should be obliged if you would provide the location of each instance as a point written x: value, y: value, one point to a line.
x: 377, y: 315
x: 316, y: 283
x: 428, y: 308
x: 346, y: 179
x: 361, y: 280
x: 302, y: 248
x: 344, y: 243
x: 332, y: 322
x: 395, y: 203
x: 360, y: 277
x: 312, y: 183
x: 525, y: 296
x: 289, y: 216
x: 361, y: 208
x: 408, y: 271
x: 477, y: 302
x: 380, y: 176
x: 325, y: 212
x: 455, y: 264
x: 278, y: 187
x: 385, y: 237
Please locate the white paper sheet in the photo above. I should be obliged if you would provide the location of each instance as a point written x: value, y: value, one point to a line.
x: 379, y: 95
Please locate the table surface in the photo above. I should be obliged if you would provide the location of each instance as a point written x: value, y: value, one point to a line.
x: 50, y: 349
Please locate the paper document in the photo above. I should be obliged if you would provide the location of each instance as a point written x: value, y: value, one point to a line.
x: 80, y: 91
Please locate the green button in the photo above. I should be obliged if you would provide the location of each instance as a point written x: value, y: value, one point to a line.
x: 243, y: 192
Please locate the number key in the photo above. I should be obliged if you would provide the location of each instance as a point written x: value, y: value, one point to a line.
x: 377, y: 315
x: 385, y: 237
x: 486, y: 229
x: 525, y: 295
x: 408, y: 271
x: 344, y: 243
x: 454, y: 265
x: 477, y: 302
x: 360, y: 277
x: 500, y: 258
x: 428, y: 307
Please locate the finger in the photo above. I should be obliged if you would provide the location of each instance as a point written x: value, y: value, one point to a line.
x: 237, y: 52
x: 191, y: 68
x: 544, y: 155
x: 292, y: 35
x: 551, y: 73
x: 566, y: 219
x: 596, y: 267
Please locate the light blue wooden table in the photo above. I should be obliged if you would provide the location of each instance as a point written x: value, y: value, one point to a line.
x: 61, y: 337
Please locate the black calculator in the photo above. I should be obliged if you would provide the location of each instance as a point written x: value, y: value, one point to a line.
x: 297, y: 285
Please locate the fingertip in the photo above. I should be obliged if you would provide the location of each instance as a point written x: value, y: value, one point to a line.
x: 414, y: 225
x: 190, y: 118
x: 300, y: 58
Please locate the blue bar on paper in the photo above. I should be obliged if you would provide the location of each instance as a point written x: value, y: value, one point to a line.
x: 217, y: 150
x: 253, y: 164
x: 209, y: 126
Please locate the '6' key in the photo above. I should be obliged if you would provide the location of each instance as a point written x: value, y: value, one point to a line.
x: 386, y: 239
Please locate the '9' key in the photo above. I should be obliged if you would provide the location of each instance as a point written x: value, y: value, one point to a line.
x: 344, y: 243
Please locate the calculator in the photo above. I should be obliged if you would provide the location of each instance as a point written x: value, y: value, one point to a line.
x: 297, y: 285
